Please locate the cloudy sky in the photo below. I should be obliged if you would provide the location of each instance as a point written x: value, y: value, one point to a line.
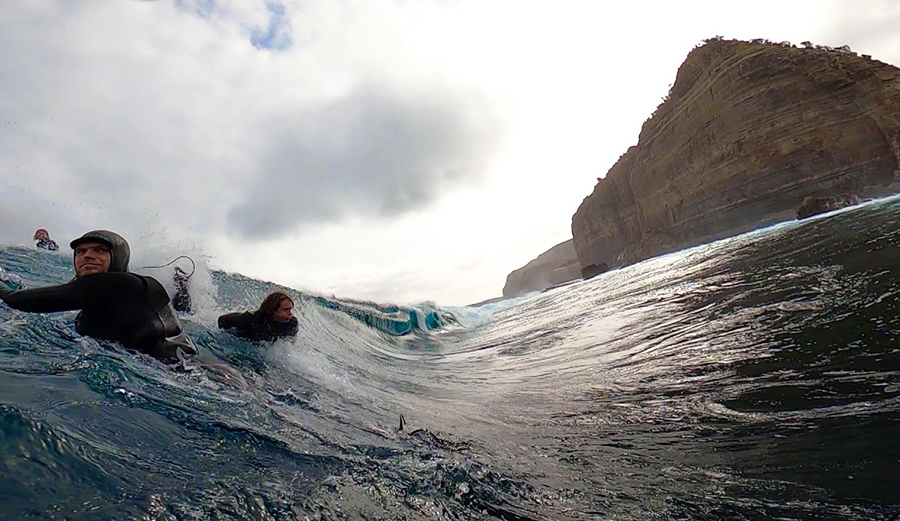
x: 393, y: 150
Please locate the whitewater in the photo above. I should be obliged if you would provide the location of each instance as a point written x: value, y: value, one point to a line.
x: 757, y: 377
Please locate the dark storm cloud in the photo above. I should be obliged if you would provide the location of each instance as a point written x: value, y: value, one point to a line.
x: 375, y: 153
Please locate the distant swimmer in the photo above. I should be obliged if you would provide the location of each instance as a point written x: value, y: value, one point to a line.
x: 44, y: 242
x: 182, y: 299
x: 116, y: 305
x: 273, y: 320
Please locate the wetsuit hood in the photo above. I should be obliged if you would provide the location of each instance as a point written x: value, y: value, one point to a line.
x: 119, y: 250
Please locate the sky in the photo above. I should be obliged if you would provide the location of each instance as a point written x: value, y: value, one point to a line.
x: 389, y: 150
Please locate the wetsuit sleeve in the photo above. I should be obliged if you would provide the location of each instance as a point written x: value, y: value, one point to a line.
x: 293, y: 328
x: 234, y: 320
x: 78, y: 294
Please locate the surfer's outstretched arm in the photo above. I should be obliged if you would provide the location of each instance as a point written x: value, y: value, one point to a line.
x: 235, y: 321
x: 80, y: 293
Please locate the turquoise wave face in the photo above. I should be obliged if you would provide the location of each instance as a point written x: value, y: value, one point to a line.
x: 751, y: 378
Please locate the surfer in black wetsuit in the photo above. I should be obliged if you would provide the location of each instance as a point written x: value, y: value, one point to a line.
x: 182, y: 299
x: 44, y: 242
x: 273, y: 320
x: 115, y: 304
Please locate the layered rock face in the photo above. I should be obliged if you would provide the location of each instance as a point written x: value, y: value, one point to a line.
x: 555, y: 266
x: 748, y: 131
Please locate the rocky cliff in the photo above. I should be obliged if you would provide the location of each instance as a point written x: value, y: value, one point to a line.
x: 555, y: 266
x: 749, y: 129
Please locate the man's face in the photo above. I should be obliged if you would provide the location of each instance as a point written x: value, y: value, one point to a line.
x: 91, y: 257
x: 42, y: 235
x: 284, y: 311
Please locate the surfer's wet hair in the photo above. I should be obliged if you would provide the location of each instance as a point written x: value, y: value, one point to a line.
x: 273, y: 301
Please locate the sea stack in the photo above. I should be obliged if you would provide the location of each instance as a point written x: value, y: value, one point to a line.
x: 557, y: 265
x: 747, y: 132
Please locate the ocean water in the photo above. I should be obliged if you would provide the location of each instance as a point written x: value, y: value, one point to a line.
x: 753, y: 378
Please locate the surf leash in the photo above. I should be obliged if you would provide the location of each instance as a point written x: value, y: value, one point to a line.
x: 173, y: 261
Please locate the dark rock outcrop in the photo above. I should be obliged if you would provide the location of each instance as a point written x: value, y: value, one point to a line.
x: 484, y: 302
x: 748, y: 130
x: 555, y: 266
x: 594, y: 269
x: 816, y: 205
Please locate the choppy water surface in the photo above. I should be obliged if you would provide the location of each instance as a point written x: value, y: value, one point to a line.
x: 753, y: 378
